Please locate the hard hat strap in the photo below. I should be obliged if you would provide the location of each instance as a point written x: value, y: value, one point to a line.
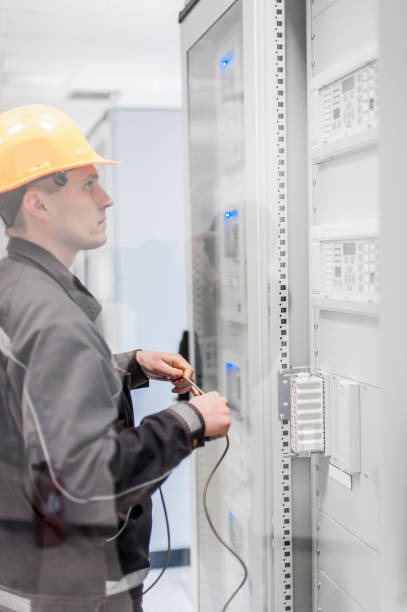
x: 59, y: 178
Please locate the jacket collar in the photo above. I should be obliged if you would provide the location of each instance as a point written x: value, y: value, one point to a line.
x: 33, y: 254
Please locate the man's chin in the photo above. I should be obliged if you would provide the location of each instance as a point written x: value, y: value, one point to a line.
x: 95, y: 243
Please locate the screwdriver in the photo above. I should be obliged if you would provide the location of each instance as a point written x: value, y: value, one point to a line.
x: 193, y: 385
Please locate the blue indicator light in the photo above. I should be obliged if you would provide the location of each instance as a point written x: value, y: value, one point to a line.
x: 231, y: 366
x: 230, y: 213
x: 226, y: 60
x: 231, y: 515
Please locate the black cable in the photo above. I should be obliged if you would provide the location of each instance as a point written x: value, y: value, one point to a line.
x: 215, y: 532
x: 205, y: 505
x: 167, y: 559
x: 208, y: 518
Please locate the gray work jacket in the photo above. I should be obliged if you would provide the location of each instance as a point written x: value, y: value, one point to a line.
x: 75, y: 474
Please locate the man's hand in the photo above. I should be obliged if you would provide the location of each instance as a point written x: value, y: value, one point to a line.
x: 215, y: 412
x: 167, y: 366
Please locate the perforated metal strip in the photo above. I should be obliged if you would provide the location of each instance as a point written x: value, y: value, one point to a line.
x: 287, y: 569
x: 282, y: 181
x: 285, y: 459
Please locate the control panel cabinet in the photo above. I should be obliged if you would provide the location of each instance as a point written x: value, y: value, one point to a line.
x: 285, y: 284
x: 229, y: 219
x: 345, y: 284
x: 218, y: 288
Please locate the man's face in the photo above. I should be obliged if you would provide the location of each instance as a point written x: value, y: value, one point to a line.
x: 78, y: 210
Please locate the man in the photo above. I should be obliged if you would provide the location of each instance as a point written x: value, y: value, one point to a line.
x: 76, y: 476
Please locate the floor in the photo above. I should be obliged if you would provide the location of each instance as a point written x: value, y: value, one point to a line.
x: 174, y: 588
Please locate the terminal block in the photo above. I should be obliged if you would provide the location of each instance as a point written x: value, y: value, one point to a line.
x: 307, y: 414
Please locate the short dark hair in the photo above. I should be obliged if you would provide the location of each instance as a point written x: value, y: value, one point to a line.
x: 10, y: 201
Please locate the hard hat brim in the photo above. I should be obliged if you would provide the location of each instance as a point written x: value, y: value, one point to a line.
x: 94, y: 159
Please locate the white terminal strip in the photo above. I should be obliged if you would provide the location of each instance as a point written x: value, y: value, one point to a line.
x: 307, y: 414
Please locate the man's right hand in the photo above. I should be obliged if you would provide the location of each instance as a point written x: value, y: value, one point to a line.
x: 215, y: 412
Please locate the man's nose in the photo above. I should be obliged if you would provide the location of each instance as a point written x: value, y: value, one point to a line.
x: 105, y: 200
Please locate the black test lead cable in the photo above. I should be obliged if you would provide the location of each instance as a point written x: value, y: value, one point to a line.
x: 208, y: 517
x: 167, y: 525
x: 167, y: 558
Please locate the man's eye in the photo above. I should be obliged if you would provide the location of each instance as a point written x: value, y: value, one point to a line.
x: 89, y: 185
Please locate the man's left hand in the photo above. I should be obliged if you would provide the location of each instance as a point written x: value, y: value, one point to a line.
x: 168, y: 367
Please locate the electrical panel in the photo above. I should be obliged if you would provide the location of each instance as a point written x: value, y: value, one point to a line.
x: 346, y: 267
x: 344, y: 106
x: 234, y: 386
x: 350, y: 103
x: 233, y: 264
x: 351, y: 267
x: 218, y: 220
x: 303, y: 392
x: 345, y: 287
x: 230, y: 125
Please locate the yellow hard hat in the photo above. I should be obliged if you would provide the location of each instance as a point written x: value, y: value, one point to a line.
x: 36, y: 140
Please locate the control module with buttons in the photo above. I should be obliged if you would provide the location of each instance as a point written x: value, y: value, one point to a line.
x: 350, y: 104
x: 351, y: 266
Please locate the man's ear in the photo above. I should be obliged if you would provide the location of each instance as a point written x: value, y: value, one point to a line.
x: 34, y: 204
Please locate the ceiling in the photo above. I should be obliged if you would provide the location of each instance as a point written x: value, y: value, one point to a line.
x: 52, y: 48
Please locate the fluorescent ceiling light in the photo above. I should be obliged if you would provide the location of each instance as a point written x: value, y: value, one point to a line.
x: 93, y: 94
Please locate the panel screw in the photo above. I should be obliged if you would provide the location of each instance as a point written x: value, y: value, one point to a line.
x: 318, y: 526
x: 318, y: 551
x: 317, y: 492
x: 319, y: 609
x: 318, y: 585
x: 313, y: 63
x: 313, y: 36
